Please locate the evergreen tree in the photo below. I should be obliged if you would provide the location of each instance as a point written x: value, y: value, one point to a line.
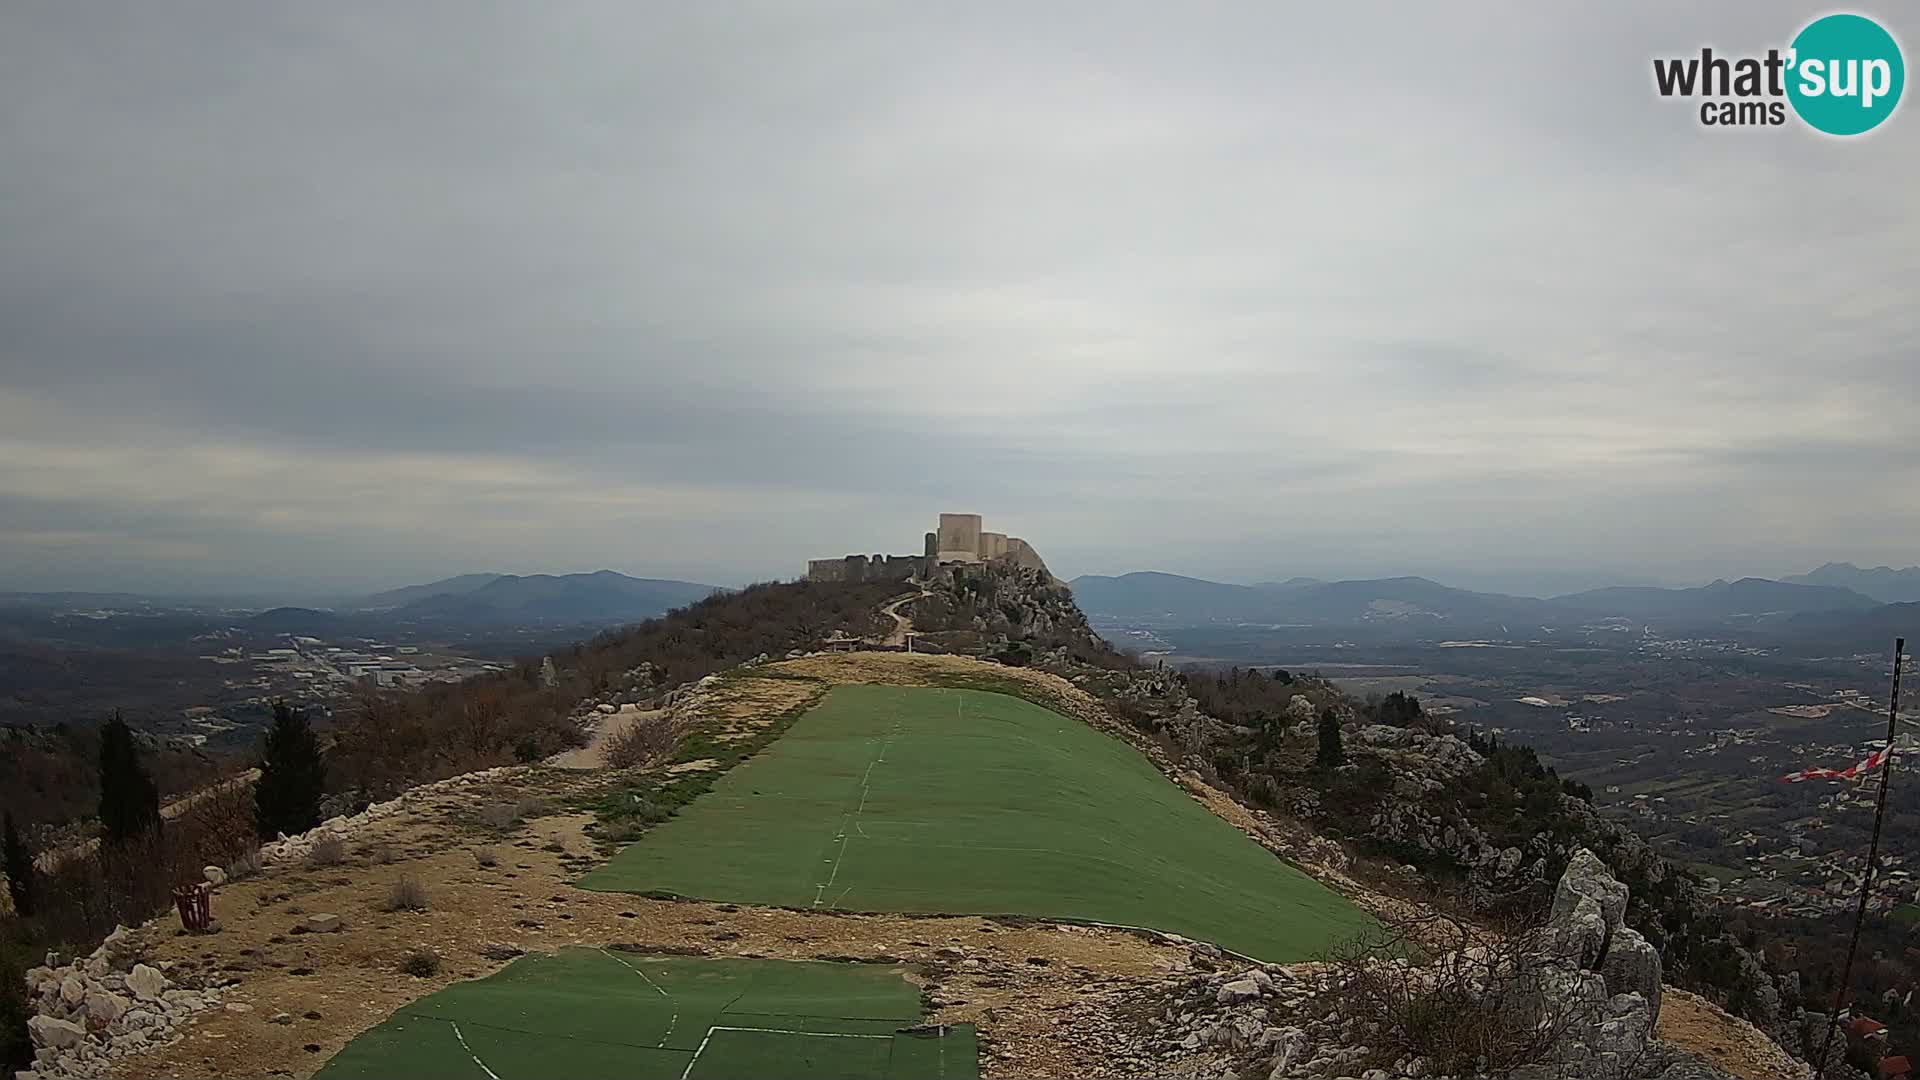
x: 129, y: 801
x: 19, y: 864
x: 293, y: 776
x: 1332, y: 755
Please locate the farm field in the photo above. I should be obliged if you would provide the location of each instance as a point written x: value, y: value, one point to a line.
x: 917, y: 799
x: 594, y: 1012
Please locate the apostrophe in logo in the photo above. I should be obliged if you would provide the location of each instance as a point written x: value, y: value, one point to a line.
x: 1846, y: 74
x: 1842, y: 75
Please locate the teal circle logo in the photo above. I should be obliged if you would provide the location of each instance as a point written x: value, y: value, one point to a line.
x: 1845, y: 74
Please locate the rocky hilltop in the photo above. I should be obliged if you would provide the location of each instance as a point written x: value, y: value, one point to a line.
x: 312, y: 944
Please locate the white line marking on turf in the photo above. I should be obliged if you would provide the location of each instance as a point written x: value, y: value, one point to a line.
x: 675, y: 1019
x: 470, y: 1053
x: 866, y: 788
x: 702, y: 1048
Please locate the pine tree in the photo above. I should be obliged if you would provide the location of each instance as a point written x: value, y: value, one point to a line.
x: 129, y: 801
x: 1332, y: 755
x: 293, y: 776
x: 19, y: 864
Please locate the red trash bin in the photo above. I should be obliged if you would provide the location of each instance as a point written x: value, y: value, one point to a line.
x: 196, y: 906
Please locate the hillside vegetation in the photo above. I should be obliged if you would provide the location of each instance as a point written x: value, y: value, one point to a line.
x: 1486, y: 822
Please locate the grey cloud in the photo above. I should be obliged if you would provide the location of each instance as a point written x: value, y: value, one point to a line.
x: 1234, y: 289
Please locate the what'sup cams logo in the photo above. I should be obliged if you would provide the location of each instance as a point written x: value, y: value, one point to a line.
x: 1842, y: 75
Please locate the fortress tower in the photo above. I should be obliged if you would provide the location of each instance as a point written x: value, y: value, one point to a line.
x: 959, y: 539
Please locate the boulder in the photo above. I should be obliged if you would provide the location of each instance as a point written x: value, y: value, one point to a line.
x: 73, y: 990
x: 323, y: 923
x: 1579, y: 936
x: 1587, y: 876
x: 215, y: 876
x: 55, y: 1034
x: 1237, y: 990
x: 1632, y: 966
x: 146, y: 982
x: 121, y: 949
x: 105, y: 1007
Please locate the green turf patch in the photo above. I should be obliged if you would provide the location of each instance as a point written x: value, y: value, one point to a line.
x: 589, y: 1012
x: 956, y: 801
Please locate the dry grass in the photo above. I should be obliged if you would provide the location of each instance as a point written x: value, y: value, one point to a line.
x: 247, y: 865
x: 330, y: 851
x: 421, y: 963
x: 644, y: 742
x: 1477, y: 1007
x: 407, y: 894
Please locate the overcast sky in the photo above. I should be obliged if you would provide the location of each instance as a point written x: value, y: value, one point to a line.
x: 344, y: 294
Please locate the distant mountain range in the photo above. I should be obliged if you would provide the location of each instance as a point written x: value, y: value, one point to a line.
x: 600, y: 597
x: 408, y: 594
x: 1169, y: 599
x: 1883, y: 583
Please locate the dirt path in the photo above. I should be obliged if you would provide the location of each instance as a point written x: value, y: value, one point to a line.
x: 902, y: 624
x: 594, y: 754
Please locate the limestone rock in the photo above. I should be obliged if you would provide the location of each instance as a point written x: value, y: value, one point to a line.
x: 323, y: 923
x: 146, y: 982
x: 1587, y: 876
x: 73, y: 991
x: 1632, y: 966
x: 1238, y: 990
x: 1580, y: 934
x: 56, y: 1034
x: 105, y: 1007
x: 215, y: 876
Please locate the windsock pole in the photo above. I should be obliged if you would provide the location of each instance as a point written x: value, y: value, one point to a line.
x: 1873, y: 859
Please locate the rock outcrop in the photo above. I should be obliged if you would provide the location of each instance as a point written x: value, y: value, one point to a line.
x: 92, y: 1011
x: 1585, y: 989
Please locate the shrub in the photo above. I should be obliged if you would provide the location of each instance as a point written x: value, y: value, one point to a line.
x: 644, y: 742
x: 528, y: 809
x: 421, y: 963
x: 328, y: 851
x: 500, y: 817
x: 249, y: 864
x: 1331, y: 755
x: 293, y: 776
x: 16, y: 1047
x: 1477, y: 1009
x: 129, y: 799
x: 407, y: 894
x: 19, y: 867
x: 486, y: 856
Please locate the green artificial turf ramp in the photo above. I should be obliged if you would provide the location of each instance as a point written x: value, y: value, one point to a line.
x: 916, y: 799
x: 588, y: 1012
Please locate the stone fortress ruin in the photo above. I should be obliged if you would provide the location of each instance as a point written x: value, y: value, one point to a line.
x: 959, y: 539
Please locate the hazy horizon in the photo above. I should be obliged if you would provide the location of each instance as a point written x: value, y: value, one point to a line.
x: 344, y: 297
x: 1542, y: 585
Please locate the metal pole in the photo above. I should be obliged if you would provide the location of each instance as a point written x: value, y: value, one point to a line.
x: 1873, y: 857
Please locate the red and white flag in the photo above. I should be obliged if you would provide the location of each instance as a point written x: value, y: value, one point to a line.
x: 1853, y: 771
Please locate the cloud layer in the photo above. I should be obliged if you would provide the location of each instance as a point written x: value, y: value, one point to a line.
x: 354, y: 294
